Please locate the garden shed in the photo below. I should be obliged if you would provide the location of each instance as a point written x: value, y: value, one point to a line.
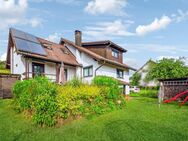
x: 171, y: 87
x: 6, y: 83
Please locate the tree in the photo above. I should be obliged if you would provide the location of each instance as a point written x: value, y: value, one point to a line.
x: 135, y: 79
x: 2, y: 64
x: 168, y: 68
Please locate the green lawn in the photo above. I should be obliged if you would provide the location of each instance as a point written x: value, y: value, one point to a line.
x: 142, y: 120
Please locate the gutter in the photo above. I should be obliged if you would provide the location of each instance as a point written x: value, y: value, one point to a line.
x: 99, y: 68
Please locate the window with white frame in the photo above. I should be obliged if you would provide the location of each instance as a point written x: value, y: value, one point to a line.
x: 115, y: 53
x: 88, y: 71
x: 119, y: 73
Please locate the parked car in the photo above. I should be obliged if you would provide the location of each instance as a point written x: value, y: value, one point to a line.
x: 135, y: 89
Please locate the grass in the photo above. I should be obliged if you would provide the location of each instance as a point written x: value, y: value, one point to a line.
x: 142, y: 120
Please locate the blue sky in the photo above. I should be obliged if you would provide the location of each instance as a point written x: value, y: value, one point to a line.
x: 146, y: 28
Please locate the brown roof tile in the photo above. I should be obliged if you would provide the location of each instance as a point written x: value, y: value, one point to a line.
x: 54, y: 52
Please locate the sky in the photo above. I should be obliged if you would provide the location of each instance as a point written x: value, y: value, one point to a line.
x: 148, y: 29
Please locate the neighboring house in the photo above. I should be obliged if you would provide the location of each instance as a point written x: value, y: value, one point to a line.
x: 143, y: 72
x: 28, y: 56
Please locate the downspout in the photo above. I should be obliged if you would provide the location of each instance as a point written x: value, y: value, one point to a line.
x: 102, y: 63
x: 99, y: 68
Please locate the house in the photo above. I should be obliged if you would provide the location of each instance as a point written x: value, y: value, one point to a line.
x: 143, y: 73
x: 29, y: 55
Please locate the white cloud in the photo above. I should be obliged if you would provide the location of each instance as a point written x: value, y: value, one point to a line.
x: 108, y: 29
x: 13, y: 12
x: 58, y: 1
x: 157, y: 48
x: 180, y: 16
x: 184, y: 59
x: 53, y: 37
x: 3, y: 57
x: 157, y: 24
x: 114, y: 7
x: 131, y: 62
x: 34, y: 22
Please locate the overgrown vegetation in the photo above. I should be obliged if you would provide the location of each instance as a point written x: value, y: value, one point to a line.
x: 135, y: 79
x: 168, y: 68
x: 2, y: 64
x: 48, y: 103
x: 3, y: 69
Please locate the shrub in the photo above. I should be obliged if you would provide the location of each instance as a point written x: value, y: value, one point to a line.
x: 75, y: 82
x: 86, y: 100
x: 111, y: 83
x: 105, y: 81
x: 48, y: 102
x: 38, y: 96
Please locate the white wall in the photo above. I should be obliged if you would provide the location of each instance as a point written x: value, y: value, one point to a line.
x: 71, y: 72
x: 86, y: 60
x: 18, y: 64
x: 143, y: 73
x: 112, y: 72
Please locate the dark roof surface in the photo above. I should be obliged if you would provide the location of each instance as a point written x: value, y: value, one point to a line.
x: 53, y: 52
x: 105, y: 42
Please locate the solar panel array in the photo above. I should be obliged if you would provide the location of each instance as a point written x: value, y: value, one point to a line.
x: 27, y: 42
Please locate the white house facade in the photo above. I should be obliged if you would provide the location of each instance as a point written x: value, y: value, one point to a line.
x: 29, y: 56
x: 143, y: 71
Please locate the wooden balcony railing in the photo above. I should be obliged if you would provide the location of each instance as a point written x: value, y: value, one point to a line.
x: 51, y: 77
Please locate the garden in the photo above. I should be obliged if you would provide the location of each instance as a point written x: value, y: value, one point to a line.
x: 49, y: 104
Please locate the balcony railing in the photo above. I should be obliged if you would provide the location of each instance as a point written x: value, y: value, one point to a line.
x: 51, y: 77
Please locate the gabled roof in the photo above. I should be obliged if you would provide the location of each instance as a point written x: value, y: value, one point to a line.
x: 105, y: 42
x: 149, y: 61
x: 96, y: 56
x: 53, y: 52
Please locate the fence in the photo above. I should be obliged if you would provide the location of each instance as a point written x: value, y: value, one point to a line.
x: 6, y: 83
x: 170, y: 87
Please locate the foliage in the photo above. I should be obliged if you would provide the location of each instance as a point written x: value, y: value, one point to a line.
x: 2, y: 64
x: 4, y: 71
x: 39, y: 97
x: 145, y: 93
x: 87, y: 100
x: 135, y: 79
x: 48, y: 102
x: 75, y: 82
x: 168, y: 68
x: 105, y: 81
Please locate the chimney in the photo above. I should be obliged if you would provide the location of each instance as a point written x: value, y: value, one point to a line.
x: 78, y: 38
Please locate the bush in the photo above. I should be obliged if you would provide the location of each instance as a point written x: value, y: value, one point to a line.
x: 75, y: 82
x: 39, y: 97
x: 48, y: 102
x: 111, y: 83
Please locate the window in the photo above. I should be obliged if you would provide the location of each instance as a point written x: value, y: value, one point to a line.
x: 88, y: 71
x: 115, y: 53
x: 119, y: 73
x: 38, y: 69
